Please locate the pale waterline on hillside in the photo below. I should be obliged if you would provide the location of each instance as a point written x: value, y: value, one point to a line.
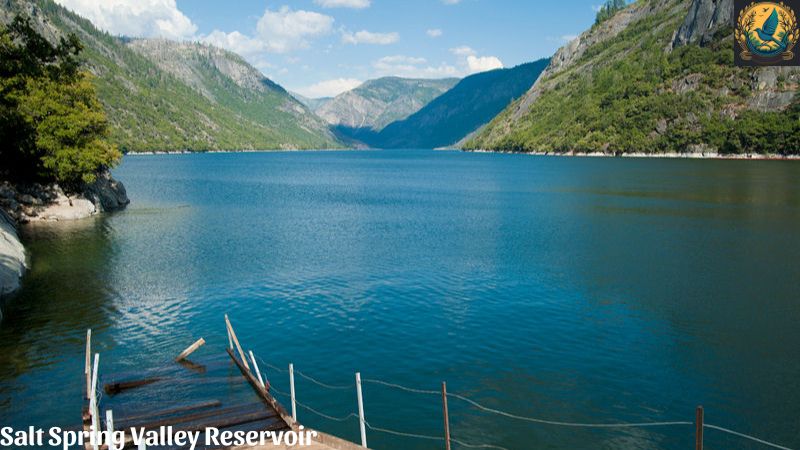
x: 665, y: 155
x: 281, y: 150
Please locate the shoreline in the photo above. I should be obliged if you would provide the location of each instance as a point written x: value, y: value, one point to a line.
x: 667, y: 155
x: 200, y: 152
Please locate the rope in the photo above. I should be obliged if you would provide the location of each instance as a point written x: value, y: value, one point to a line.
x: 529, y: 419
x: 325, y: 385
x: 485, y: 409
x: 336, y: 419
x: 464, y: 444
x: 307, y: 377
x: 567, y: 424
x: 755, y: 439
x: 400, y: 433
x: 403, y: 388
x: 428, y: 437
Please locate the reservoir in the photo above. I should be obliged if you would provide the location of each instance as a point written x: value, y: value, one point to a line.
x: 596, y: 290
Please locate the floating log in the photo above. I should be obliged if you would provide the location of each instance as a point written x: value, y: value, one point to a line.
x: 240, y: 409
x: 116, y: 388
x: 170, y: 411
x: 199, y: 368
x: 190, y: 349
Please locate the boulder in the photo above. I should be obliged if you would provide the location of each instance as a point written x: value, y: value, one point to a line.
x: 12, y: 256
x: 107, y: 193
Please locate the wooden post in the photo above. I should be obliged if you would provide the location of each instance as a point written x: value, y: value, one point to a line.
x: 190, y: 349
x: 88, y: 369
x: 291, y: 391
x: 446, y: 417
x: 698, y: 445
x: 361, y: 420
x: 236, y: 341
x: 230, y: 340
x: 258, y: 372
x: 93, y: 408
x: 699, y: 429
x: 109, y: 421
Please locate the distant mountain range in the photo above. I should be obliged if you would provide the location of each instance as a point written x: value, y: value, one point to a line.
x: 312, y: 103
x: 457, y: 113
x: 165, y: 96
x: 377, y: 103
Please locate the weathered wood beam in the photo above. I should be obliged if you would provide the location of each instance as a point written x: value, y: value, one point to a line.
x: 190, y: 349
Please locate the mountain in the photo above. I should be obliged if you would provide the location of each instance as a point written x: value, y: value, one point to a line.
x: 473, y: 102
x: 312, y: 103
x: 162, y: 95
x: 377, y: 103
x: 656, y: 77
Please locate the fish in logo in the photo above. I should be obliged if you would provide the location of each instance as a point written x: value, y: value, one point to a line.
x: 766, y: 33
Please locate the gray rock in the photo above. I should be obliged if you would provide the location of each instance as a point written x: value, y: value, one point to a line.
x: 7, y: 191
x: 12, y: 256
x: 27, y: 199
x: 703, y: 19
x: 107, y: 193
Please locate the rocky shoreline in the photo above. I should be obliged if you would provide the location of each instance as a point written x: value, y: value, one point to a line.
x: 21, y: 204
x: 667, y: 155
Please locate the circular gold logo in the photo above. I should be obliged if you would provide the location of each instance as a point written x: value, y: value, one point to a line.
x: 766, y: 32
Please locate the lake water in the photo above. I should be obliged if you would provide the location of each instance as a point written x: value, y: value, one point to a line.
x: 570, y: 289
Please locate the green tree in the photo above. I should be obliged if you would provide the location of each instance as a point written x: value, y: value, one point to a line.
x: 608, y: 10
x: 52, y: 126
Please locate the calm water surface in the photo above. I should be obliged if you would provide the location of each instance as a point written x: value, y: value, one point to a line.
x: 588, y: 290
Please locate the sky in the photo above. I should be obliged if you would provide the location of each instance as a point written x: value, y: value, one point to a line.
x: 321, y: 48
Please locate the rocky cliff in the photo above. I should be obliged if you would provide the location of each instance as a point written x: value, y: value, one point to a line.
x: 377, y: 103
x: 658, y: 77
x: 703, y: 19
x: 12, y: 257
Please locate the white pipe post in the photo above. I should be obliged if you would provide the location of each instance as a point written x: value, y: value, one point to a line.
x: 87, y: 371
x: 109, y: 421
x: 258, y: 372
x: 361, y: 420
x: 291, y: 391
x: 93, y: 406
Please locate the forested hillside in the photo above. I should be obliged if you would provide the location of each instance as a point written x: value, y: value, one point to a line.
x: 657, y: 76
x: 451, y: 117
x: 169, y: 96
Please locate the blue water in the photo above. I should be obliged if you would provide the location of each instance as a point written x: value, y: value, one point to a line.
x: 570, y: 289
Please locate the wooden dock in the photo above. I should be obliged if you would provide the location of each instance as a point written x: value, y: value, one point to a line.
x: 152, y: 399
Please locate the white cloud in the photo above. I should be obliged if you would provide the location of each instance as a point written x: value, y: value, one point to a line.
x: 368, y: 37
x: 284, y: 30
x: 434, y: 32
x: 413, y: 67
x: 462, y: 51
x: 451, y: 2
x: 329, y: 88
x: 355, y: 4
x: 483, y: 63
x: 235, y: 42
x: 135, y: 18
